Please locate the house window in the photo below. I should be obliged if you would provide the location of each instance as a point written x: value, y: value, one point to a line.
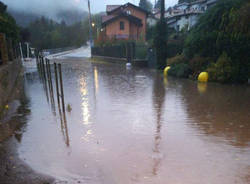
x: 122, y: 26
x: 128, y: 12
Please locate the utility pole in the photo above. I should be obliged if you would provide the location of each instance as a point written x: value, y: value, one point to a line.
x: 162, y: 10
x: 21, y: 51
x: 90, y: 27
x: 28, y: 53
x: 160, y: 40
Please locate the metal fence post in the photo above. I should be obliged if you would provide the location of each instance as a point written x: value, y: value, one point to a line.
x: 57, y: 84
x: 61, y: 85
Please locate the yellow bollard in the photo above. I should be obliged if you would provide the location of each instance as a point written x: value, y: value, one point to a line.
x: 166, y: 70
x: 203, y: 77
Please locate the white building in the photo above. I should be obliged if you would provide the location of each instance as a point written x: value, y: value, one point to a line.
x: 151, y: 20
x: 185, y: 15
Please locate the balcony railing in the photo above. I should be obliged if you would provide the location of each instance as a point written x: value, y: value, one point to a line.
x: 123, y: 36
x: 184, y: 12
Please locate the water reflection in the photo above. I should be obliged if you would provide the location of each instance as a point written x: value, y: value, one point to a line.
x: 221, y: 111
x: 44, y: 79
x: 45, y: 88
x: 150, y: 129
x: 64, y: 126
x: 95, y: 83
x: 50, y: 99
x: 85, y: 100
x: 96, y: 79
x: 202, y: 87
x: 158, y: 102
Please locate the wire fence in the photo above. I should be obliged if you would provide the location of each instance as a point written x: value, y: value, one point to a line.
x: 132, y: 51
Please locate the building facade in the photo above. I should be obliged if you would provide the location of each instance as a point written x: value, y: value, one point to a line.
x: 185, y: 15
x: 125, y: 22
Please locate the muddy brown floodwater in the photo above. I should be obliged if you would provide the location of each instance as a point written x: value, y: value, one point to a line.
x: 131, y: 126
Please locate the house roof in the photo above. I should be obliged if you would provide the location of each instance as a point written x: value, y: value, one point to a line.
x: 198, y: 2
x: 181, y: 4
x: 112, y: 8
x: 211, y: 1
x: 111, y: 18
x: 106, y: 18
x: 109, y: 8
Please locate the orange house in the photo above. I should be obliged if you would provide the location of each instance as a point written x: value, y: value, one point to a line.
x: 125, y: 22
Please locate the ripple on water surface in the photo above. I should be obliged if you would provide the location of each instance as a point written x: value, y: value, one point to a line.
x: 131, y: 126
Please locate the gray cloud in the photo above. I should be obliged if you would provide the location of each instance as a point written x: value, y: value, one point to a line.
x: 51, y: 7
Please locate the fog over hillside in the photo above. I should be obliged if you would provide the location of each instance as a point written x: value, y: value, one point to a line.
x: 48, y: 8
x: 26, y: 11
x: 70, y: 11
x: 51, y: 7
x: 23, y: 18
x: 68, y: 16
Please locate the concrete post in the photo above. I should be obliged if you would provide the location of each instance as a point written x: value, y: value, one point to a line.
x: 3, y: 48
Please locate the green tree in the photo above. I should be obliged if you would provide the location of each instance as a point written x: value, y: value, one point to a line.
x: 47, y: 34
x: 158, y: 4
x: 160, y: 40
x: 8, y: 24
x: 146, y: 5
x: 225, y: 28
x: 25, y: 35
x: 3, y: 8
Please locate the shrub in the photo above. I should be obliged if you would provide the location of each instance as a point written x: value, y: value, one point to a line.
x: 181, y: 70
x: 8, y: 24
x: 174, y: 47
x: 224, y: 28
x: 222, y: 71
x: 179, y: 66
x: 141, y: 51
x: 198, y: 64
x: 213, y: 33
x: 176, y: 60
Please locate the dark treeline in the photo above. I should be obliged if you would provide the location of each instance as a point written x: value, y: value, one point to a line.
x: 8, y: 24
x: 46, y: 34
x: 146, y: 5
x: 70, y: 17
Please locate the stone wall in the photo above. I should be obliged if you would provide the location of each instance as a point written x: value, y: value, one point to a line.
x: 3, y: 48
x: 10, y: 50
x: 9, y: 74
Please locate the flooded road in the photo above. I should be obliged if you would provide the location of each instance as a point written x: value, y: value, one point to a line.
x: 129, y: 126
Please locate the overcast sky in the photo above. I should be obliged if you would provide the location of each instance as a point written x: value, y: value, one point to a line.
x: 51, y: 6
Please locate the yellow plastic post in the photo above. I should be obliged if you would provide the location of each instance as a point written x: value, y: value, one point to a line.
x: 166, y: 70
x: 203, y: 77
